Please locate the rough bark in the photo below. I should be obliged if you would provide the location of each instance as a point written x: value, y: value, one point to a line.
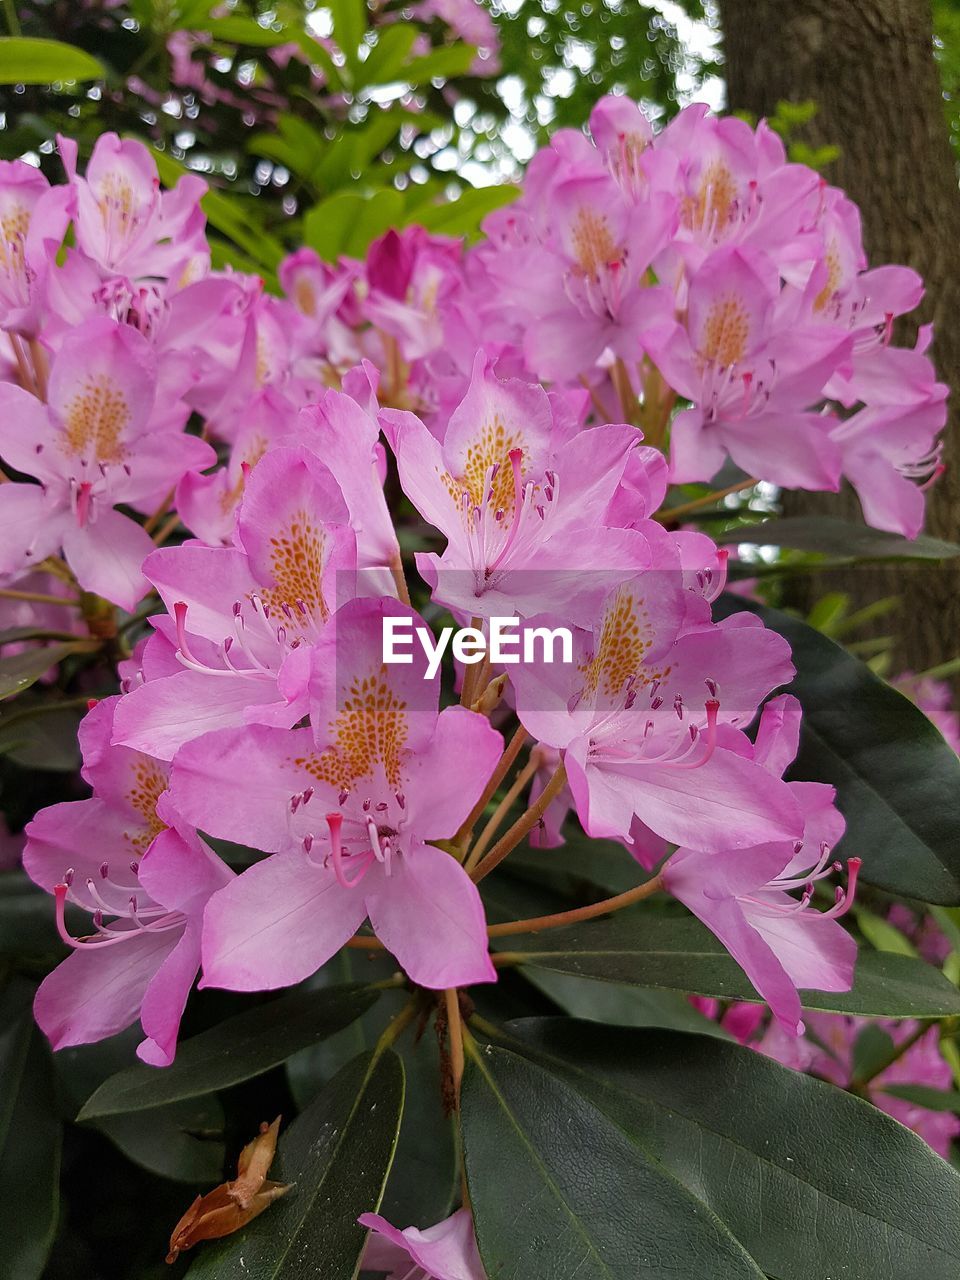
x: 870, y: 67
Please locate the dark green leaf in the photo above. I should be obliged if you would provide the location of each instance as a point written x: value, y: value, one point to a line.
x: 842, y: 538
x: 648, y: 948
x: 896, y: 778
x: 872, y: 1049
x: 922, y: 1095
x: 337, y: 1154
x: 41, y: 736
x: 238, y: 1049
x: 558, y: 1190
x: 22, y: 670
x: 622, y: 1005
x: 29, y: 61
x: 812, y: 1181
x: 424, y: 1178
x: 30, y: 1140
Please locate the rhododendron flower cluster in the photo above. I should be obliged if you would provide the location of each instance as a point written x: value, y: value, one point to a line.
x: 514, y: 413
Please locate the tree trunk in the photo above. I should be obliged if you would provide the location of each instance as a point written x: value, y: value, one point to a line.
x: 870, y: 68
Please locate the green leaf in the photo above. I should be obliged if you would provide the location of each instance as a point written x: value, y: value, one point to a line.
x: 388, y: 55
x: 922, y: 1095
x: 811, y: 1180
x: 24, y: 669
x: 238, y: 30
x: 379, y: 213
x: 463, y: 216
x: 894, y: 773
x: 238, y: 1049
x: 327, y: 225
x: 440, y: 64
x: 337, y: 1154
x: 882, y: 934
x: 30, y: 1140
x: 559, y: 1190
x: 40, y: 736
x: 871, y: 1050
x: 349, y: 25
x: 649, y: 948
x: 845, y: 539
x: 28, y: 61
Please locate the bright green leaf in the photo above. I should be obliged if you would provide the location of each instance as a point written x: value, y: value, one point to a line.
x: 28, y: 61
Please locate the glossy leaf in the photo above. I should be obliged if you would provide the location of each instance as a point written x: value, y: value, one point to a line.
x: 841, y: 538
x: 337, y: 1154
x: 239, y: 30
x: 559, y: 1190
x: 21, y: 670
x: 894, y: 773
x: 813, y: 1181
x: 30, y: 1140
x: 29, y: 61
x: 648, y: 948
x: 238, y: 1049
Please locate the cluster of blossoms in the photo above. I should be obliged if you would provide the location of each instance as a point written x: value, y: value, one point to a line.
x: 260, y: 710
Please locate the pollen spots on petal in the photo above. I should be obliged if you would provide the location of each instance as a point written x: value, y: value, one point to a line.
x: 834, y: 277
x: 305, y: 296
x: 233, y: 493
x: 726, y: 333
x: 95, y: 420
x: 624, y: 640
x: 593, y: 244
x: 14, y: 224
x: 119, y: 208
x: 714, y: 205
x: 297, y: 557
x: 491, y: 448
x: 148, y: 783
x: 370, y: 732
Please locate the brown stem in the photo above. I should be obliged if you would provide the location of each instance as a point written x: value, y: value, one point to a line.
x: 38, y: 597
x: 670, y: 515
x: 164, y: 532
x: 624, y: 388
x: 151, y: 523
x: 536, y: 923
x: 400, y: 578
x: 455, y: 1029
x: 23, y: 364
x: 523, y: 825
x: 512, y: 750
x: 471, y: 671
x: 502, y: 809
x: 362, y: 943
x: 40, y: 367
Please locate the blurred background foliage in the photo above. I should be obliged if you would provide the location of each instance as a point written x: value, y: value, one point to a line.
x: 328, y: 123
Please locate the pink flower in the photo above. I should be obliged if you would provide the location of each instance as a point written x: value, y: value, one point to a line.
x: 521, y: 509
x: 94, y: 445
x: 246, y: 615
x: 639, y: 714
x: 33, y: 219
x: 348, y: 811
x: 447, y: 1251
x: 123, y: 220
x: 752, y: 381
x: 744, y: 896
x: 145, y: 883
